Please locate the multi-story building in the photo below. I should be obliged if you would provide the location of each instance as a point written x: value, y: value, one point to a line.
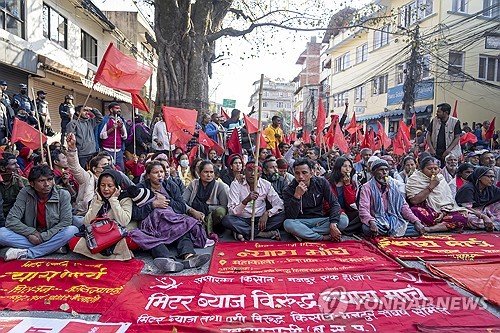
x: 58, y: 51
x: 307, y: 84
x: 455, y: 59
x: 277, y: 100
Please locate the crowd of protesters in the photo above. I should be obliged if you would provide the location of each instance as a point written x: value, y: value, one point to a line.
x: 172, y: 201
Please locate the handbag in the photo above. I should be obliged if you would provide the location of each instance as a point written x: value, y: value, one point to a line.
x: 103, y: 233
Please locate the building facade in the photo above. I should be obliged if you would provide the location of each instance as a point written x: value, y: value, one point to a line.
x: 59, y: 51
x: 450, y: 46
x: 277, y: 100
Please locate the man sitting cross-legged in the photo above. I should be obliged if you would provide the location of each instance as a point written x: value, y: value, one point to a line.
x: 304, y: 198
x: 39, y: 223
x: 242, y: 198
x: 383, y: 209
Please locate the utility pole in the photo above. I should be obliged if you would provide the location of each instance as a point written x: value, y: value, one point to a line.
x: 412, y: 76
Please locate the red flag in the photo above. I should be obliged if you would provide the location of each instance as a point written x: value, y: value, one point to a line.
x: 263, y: 143
x: 405, y: 129
x: 252, y: 125
x: 233, y: 143
x: 401, y: 144
x: 306, y: 136
x: 180, y: 123
x: 385, y: 141
x: 119, y: 71
x: 138, y: 102
x: 468, y: 138
x: 339, y: 139
x: 276, y: 151
x: 296, y: 123
x: 223, y: 113
x: 27, y: 135
x: 353, y: 126
x: 208, y: 143
x: 192, y: 154
x: 489, y: 133
x: 414, y: 121
x: 320, y: 122
x: 369, y: 140
x: 293, y: 137
x: 455, y: 112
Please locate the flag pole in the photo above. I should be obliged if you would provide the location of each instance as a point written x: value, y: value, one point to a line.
x: 133, y: 130
x: 39, y: 126
x: 115, y: 129
x: 86, y: 100
x: 256, y: 169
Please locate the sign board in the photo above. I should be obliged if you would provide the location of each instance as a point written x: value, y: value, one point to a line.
x: 229, y: 103
x: 492, y: 42
x: 423, y: 91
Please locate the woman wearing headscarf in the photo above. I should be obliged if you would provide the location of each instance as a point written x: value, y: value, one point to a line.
x: 234, y: 169
x: 481, y: 197
x: 431, y: 199
x: 109, y: 202
x: 207, y: 198
x: 345, y: 188
x: 464, y: 170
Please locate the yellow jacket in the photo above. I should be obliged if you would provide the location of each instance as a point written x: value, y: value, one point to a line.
x: 269, y: 136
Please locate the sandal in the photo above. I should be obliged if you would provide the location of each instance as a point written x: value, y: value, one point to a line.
x: 238, y: 237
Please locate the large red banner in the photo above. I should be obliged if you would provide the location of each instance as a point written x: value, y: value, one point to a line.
x: 480, y: 278
x: 296, y: 258
x: 386, y: 301
x: 84, y: 286
x: 442, y: 247
x: 51, y: 325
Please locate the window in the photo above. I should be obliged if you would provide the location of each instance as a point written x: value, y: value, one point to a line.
x: 415, y: 11
x: 381, y: 37
x: 342, y: 63
x: 459, y: 6
x: 491, y: 8
x: 89, y: 48
x: 489, y: 68
x: 455, y: 63
x: 264, y: 104
x: 359, y: 93
x: 380, y: 85
x: 279, y: 105
x: 55, y: 26
x: 362, y: 53
x: 400, y: 73
x: 12, y: 16
x: 340, y: 99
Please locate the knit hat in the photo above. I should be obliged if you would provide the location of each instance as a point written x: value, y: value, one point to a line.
x: 231, y: 159
x: 139, y: 195
x: 379, y: 164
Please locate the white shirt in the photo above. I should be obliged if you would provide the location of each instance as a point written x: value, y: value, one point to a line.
x: 160, y: 134
x: 239, y: 191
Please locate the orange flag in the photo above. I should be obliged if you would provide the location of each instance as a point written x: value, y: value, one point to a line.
x: 180, y: 123
x: 252, y: 125
x: 489, y: 133
x: 385, y: 141
x: 120, y: 71
x: 27, y: 135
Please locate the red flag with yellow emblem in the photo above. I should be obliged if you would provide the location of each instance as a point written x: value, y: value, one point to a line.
x: 27, y: 135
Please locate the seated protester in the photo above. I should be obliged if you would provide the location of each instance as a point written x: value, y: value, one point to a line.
x: 393, y: 173
x: 217, y: 161
x: 409, y: 165
x: 195, y: 167
x: 314, y: 155
x: 431, y: 198
x: 163, y: 159
x: 124, y: 180
x: 108, y: 202
x: 464, y: 170
x: 473, y: 158
x: 164, y: 222
x: 283, y: 170
x: 481, y: 197
x: 271, y: 174
x: 362, y: 168
x: 343, y: 185
x: 39, y: 223
x: 207, y: 199
x: 183, y: 170
x: 11, y: 182
x: 212, y: 154
x: 264, y: 153
x: 450, y: 167
x: 234, y: 168
x: 487, y: 159
x: 62, y: 175
x: 304, y: 199
x: 383, y: 209
x: 135, y: 166
x: 241, y: 200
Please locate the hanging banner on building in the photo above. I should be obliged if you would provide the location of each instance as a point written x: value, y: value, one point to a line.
x: 385, y: 301
x: 480, y: 278
x: 442, y: 247
x: 296, y: 258
x: 51, y: 325
x: 423, y: 91
x: 84, y: 286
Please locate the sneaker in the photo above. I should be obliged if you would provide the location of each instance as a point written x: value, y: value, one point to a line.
x: 196, y: 260
x: 168, y: 265
x: 15, y: 254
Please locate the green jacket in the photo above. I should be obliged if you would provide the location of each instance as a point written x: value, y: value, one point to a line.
x: 22, y: 216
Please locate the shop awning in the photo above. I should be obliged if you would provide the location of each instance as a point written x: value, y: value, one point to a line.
x: 107, y: 91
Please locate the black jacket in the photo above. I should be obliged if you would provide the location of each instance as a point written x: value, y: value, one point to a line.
x: 311, y: 203
x: 174, y: 195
